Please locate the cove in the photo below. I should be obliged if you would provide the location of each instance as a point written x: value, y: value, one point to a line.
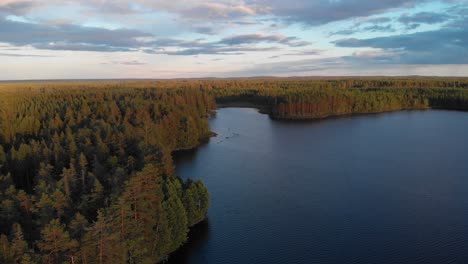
x: 381, y: 188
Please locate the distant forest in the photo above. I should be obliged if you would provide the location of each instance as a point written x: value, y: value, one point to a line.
x: 86, y: 169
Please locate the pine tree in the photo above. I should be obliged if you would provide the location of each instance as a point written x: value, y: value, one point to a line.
x: 68, y: 179
x: 176, y: 215
x: 83, y: 162
x: 60, y: 202
x: 146, y: 232
x: 100, y: 244
x: 78, y: 226
x: 5, y: 250
x: 196, y: 201
x: 2, y: 157
x: 19, y: 247
x: 56, y: 245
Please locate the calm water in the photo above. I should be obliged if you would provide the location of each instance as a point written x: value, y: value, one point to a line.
x: 386, y: 188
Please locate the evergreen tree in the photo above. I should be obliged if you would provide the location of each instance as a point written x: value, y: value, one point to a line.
x: 2, y: 156
x: 19, y: 247
x: 176, y: 214
x: 56, y: 244
x: 196, y: 201
x: 100, y: 244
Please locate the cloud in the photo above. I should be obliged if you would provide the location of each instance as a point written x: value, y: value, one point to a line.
x: 16, y: 7
x: 192, y: 10
x: 220, y: 11
x: 305, y: 52
x: 412, y: 26
x: 322, y: 12
x: 205, y: 30
x: 172, y: 28
x: 444, y: 46
x: 218, y: 50
x: 312, y: 52
x: 65, y: 36
x: 24, y: 55
x: 365, y: 63
x: 233, y: 45
x: 373, y: 57
x: 310, y: 12
x: 376, y: 20
x: 377, y: 28
x: 127, y: 63
x: 297, y: 67
x: 373, y: 24
x: 424, y: 18
x: 258, y: 38
x: 70, y: 37
x: 372, y: 28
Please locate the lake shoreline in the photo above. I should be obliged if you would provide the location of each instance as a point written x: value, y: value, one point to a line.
x: 265, y: 109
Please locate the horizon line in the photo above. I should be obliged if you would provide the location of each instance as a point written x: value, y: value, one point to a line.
x: 237, y: 78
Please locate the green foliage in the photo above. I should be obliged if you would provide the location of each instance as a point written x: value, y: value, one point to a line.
x: 176, y: 214
x: 2, y: 156
x: 101, y: 244
x: 86, y: 167
x: 16, y: 251
x: 78, y: 227
x: 77, y: 152
x: 56, y: 245
x: 196, y: 201
x: 302, y: 98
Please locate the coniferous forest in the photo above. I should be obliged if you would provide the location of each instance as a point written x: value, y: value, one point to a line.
x: 87, y: 173
x: 86, y: 169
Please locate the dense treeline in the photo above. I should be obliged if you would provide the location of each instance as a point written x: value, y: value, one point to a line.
x: 315, y: 98
x: 86, y: 173
x: 331, y: 102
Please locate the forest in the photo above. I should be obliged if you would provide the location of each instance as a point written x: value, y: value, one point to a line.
x: 87, y: 174
x: 86, y: 167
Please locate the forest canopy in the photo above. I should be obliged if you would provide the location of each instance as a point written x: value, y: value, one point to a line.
x: 86, y: 169
x: 86, y: 173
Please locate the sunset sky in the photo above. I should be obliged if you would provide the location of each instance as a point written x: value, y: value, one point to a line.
x: 73, y: 39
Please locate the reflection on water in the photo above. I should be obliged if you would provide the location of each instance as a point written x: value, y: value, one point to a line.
x: 197, y: 236
x: 384, y: 188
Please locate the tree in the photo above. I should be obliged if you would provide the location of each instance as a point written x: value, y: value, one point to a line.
x: 91, y: 202
x: 196, y: 201
x: 84, y: 169
x: 176, y: 214
x: 5, y: 250
x: 140, y: 218
x: 56, y: 244
x: 60, y: 202
x: 19, y: 247
x: 68, y: 179
x: 2, y: 156
x: 100, y: 244
x: 16, y: 251
x: 78, y: 226
x: 9, y: 213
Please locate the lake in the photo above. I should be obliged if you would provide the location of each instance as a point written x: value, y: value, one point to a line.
x: 382, y: 188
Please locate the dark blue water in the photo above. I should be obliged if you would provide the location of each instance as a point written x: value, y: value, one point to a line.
x: 385, y: 188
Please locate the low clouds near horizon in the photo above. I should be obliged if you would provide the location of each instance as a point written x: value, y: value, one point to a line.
x: 167, y: 39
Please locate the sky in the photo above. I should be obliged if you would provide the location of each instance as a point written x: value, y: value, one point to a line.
x: 102, y: 39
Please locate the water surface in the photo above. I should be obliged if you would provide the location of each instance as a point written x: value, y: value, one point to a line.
x: 384, y: 188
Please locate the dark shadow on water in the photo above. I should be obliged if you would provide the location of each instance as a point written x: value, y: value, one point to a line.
x: 198, y: 235
x: 188, y: 155
x: 344, y: 116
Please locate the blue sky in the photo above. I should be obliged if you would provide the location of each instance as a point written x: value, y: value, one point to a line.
x: 71, y: 39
